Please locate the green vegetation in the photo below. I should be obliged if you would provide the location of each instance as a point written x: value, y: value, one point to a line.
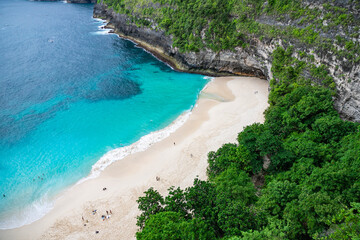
x: 221, y: 25
x: 310, y: 190
x: 309, y: 187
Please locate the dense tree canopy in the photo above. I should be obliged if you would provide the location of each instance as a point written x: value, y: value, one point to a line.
x: 312, y: 183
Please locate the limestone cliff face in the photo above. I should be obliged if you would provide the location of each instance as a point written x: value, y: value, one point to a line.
x: 241, y: 62
x: 255, y: 60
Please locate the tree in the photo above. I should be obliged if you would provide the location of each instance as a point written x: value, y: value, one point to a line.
x: 277, y: 195
x: 234, y: 185
x: 229, y: 155
x: 150, y: 204
x: 172, y: 226
x: 175, y: 201
x: 196, y: 229
x: 161, y: 226
x: 201, y: 198
x: 311, y: 213
x: 275, y: 230
x: 248, y: 138
x: 345, y: 225
x: 234, y: 195
x: 235, y: 217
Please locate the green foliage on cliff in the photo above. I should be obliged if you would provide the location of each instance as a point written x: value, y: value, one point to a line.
x: 309, y: 188
x: 226, y: 24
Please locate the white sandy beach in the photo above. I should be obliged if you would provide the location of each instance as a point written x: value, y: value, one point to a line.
x: 224, y: 108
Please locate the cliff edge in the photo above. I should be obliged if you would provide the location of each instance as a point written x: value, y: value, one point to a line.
x: 328, y: 53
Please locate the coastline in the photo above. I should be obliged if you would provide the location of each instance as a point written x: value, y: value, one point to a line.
x: 161, y: 54
x: 225, y: 106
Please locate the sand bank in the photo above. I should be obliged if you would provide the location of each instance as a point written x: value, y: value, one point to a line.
x: 226, y: 105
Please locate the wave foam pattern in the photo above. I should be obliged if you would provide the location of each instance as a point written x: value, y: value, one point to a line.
x: 30, y: 214
x: 141, y: 145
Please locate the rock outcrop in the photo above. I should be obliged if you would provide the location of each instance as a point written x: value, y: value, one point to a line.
x: 238, y: 62
x: 254, y: 60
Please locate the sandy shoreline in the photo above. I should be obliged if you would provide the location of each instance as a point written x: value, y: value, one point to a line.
x: 226, y: 105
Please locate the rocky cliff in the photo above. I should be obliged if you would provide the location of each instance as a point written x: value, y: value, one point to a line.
x: 256, y: 58
x: 240, y: 62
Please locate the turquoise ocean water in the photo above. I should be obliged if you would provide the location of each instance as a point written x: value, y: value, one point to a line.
x: 69, y: 94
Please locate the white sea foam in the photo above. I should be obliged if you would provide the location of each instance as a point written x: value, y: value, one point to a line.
x: 27, y: 215
x: 40, y: 208
x: 208, y: 78
x: 102, y: 32
x: 141, y: 145
x: 101, y: 29
x: 100, y: 20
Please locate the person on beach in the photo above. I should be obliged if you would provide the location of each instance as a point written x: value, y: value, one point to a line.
x: 110, y: 211
x: 107, y: 212
x: 174, y: 143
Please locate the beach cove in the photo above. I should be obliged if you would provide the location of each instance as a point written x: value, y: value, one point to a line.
x: 70, y: 92
x: 225, y: 106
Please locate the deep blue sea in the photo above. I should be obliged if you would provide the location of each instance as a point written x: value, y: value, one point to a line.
x: 69, y: 93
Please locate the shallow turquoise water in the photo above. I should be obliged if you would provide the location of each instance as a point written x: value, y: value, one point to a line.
x: 68, y: 94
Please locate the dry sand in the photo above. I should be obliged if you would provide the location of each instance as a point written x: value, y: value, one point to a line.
x: 224, y: 108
